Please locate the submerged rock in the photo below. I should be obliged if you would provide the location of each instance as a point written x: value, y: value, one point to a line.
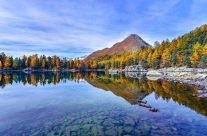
x: 144, y: 105
x: 142, y: 101
x: 154, y: 110
x: 201, y: 87
x: 128, y: 129
x: 154, y: 127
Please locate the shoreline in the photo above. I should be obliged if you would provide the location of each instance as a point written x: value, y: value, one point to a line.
x: 190, y: 76
x: 51, y: 70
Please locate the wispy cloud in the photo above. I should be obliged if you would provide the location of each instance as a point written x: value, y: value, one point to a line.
x: 35, y: 26
x: 75, y: 28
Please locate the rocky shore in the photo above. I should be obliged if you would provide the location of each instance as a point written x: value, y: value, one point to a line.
x: 191, y: 76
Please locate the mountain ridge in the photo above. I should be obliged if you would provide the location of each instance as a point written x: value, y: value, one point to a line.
x: 130, y: 44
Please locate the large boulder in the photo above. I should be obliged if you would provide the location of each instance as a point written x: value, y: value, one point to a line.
x: 154, y: 75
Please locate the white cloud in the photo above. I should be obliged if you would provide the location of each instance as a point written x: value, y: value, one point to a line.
x: 45, y: 26
x: 41, y: 28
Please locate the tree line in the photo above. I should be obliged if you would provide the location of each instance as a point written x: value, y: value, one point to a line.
x: 165, y: 54
x: 42, y: 62
x: 188, y: 50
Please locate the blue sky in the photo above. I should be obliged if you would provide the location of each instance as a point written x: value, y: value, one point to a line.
x: 73, y: 28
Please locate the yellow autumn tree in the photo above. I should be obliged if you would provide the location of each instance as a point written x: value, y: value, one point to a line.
x: 0, y: 64
x: 33, y: 61
x: 197, y: 47
x: 7, y: 62
x: 43, y: 63
x: 15, y: 64
x: 25, y: 59
x: 149, y: 57
x: 166, y: 57
x: 93, y: 64
x: 204, y: 51
x: 194, y: 59
x: 196, y: 55
x: 57, y: 62
x: 53, y: 61
x: 155, y: 59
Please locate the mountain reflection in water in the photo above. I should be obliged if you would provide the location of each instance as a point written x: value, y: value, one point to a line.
x: 133, y: 90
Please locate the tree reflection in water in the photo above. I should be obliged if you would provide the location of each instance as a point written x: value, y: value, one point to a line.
x: 131, y: 89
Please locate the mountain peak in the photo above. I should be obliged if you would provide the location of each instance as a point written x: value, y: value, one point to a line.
x: 130, y: 44
x: 137, y: 39
x: 134, y: 36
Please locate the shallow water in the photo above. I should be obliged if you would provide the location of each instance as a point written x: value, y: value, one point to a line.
x: 97, y: 104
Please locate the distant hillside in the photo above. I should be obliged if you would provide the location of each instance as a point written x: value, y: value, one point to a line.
x: 133, y: 43
x: 187, y: 50
x: 198, y: 35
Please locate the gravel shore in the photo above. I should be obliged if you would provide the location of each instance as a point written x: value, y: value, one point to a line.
x: 191, y: 76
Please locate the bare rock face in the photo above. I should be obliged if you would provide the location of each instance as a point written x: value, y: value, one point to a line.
x: 132, y: 43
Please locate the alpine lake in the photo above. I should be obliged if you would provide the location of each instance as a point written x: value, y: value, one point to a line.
x: 96, y: 104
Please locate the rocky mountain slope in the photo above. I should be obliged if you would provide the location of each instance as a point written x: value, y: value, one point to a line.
x: 132, y: 43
